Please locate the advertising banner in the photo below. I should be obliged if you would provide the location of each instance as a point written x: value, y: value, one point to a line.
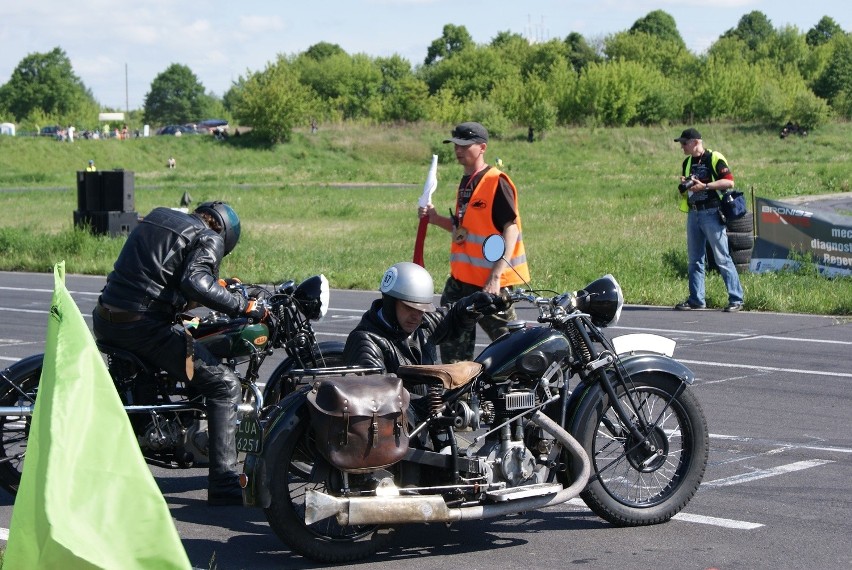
x: 788, y: 234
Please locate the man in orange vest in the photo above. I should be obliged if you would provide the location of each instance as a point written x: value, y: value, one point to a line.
x: 486, y: 204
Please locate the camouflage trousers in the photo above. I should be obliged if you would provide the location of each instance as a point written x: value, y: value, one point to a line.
x: 494, y: 325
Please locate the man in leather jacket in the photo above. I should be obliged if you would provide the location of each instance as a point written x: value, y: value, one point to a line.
x: 170, y: 263
x: 404, y: 327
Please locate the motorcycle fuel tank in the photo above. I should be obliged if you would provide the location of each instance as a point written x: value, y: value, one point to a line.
x: 238, y: 338
x: 522, y: 350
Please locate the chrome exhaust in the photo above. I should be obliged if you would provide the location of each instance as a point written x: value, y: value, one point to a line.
x: 432, y: 508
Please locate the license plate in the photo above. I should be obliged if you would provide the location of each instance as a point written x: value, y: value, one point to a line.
x: 249, y: 436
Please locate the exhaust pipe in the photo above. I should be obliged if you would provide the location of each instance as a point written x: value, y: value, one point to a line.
x: 432, y: 508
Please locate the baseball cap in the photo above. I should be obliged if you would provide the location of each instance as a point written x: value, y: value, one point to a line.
x: 467, y: 134
x: 688, y: 135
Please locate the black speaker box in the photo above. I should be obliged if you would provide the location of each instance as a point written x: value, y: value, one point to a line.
x: 112, y: 223
x: 106, y: 190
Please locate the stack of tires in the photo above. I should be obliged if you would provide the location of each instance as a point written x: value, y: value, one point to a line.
x: 740, y: 243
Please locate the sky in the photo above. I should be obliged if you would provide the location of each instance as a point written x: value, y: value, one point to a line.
x: 118, y: 47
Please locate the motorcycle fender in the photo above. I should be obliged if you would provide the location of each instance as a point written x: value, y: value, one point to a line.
x: 257, y: 469
x: 284, y: 367
x: 23, y: 367
x: 633, y: 365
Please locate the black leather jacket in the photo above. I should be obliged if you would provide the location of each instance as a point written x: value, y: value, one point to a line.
x: 375, y: 343
x: 169, y: 259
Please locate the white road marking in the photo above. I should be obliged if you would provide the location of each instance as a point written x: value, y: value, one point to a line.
x: 764, y: 473
x: 715, y: 521
x: 766, y: 368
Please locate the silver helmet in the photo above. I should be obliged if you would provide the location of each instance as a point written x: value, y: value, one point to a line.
x: 409, y: 283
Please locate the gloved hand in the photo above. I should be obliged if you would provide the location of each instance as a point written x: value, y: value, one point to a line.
x: 483, y: 303
x: 256, y: 311
x: 229, y: 282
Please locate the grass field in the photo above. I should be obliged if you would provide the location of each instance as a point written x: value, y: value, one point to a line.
x: 343, y: 202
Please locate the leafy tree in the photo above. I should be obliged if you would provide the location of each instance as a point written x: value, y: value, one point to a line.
x: 822, y: 33
x: 470, y: 74
x: 788, y: 48
x: 514, y: 48
x: 659, y: 24
x: 580, y: 53
x: 176, y: 96
x: 609, y: 94
x: 669, y: 56
x: 323, y: 50
x: 273, y: 101
x: 542, y: 57
x: 45, y: 83
x: 538, y: 112
x: 754, y: 28
x: 453, y: 40
x: 404, y: 97
x: 836, y: 78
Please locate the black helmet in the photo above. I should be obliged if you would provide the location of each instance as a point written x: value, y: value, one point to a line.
x: 409, y: 283
x: 227, y: 219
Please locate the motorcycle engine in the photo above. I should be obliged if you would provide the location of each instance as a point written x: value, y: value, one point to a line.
x: 512, y: 463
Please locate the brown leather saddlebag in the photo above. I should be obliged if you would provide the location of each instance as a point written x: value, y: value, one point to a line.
x: 360, y: 421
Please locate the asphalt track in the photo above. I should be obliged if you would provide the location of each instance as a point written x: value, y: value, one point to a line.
x: 776, y: 389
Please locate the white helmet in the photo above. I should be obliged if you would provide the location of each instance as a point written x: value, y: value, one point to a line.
x: 409, y: 283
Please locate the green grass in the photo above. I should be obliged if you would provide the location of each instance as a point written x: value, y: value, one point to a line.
x: 343, y: 202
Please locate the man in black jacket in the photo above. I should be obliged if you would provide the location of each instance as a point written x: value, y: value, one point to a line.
x: 404, y: 327
x: 170, y: 263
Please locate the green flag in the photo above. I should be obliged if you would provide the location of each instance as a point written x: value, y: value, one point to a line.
x: 87, y: 499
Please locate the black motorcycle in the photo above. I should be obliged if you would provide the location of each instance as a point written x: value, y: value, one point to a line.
x: 167, y: 414
x: 547, y: 412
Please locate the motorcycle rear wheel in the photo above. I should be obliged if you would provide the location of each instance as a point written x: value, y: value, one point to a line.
x: 280, y: 383
x: 631, y: 487
x: 15, y: 430
x: 324, y: 541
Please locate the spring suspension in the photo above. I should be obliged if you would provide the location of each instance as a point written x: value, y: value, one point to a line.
x: 436, y: 400
x: 578, y: 344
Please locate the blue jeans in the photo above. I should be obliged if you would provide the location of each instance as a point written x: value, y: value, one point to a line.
x: 702, y: 227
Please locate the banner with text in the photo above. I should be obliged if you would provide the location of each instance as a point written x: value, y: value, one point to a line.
x: 785, y: 229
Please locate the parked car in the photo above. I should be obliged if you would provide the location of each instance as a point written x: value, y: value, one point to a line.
x: 175, y: 129
x: 50, y: 131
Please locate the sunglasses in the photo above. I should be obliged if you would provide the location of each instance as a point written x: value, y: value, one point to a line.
x: 466, y: 134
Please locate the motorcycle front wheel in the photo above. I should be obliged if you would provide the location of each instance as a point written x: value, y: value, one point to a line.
x: 15, y: 429
x: 324, y: 541
x: 643, y: 481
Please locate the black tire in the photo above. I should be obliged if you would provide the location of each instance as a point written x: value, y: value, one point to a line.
x: 740, y: 241
x: 741, y: 225
x: 741, y: 257
x: 629, y: 488
x: 280, y: 384
x: 15, y: 430
x: 324, y: 541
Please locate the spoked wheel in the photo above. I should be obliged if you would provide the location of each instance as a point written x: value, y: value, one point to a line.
x: 325, y: 540
x: 15, y: 429
x: 648, y: 479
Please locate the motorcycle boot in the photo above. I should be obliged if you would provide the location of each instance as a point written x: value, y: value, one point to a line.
x: 221, y: 389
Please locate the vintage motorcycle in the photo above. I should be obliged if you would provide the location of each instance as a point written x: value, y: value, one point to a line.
x: 168, y: 415
x: 546, y: 412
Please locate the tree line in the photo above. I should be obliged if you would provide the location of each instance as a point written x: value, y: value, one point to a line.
x: 752, y: 73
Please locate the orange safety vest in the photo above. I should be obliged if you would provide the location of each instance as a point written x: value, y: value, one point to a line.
x: 467, y: 263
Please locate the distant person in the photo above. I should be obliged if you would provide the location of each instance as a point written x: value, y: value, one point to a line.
x: 704, y: 175
x: 91, y: 166
x: 486, y: 203
x: 171, y: 162
x: 314, y: 127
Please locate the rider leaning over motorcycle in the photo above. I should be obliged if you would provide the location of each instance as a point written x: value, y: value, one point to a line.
x: 404, y: 327
x: 170, y: 263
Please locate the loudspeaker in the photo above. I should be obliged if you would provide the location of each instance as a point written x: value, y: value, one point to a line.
x: 112, y: 223
x: 106, y: 191
x: 118, y: 191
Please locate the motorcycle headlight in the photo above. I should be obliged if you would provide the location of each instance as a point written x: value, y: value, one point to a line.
x: 603, y: 300
x: 313, y: 295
